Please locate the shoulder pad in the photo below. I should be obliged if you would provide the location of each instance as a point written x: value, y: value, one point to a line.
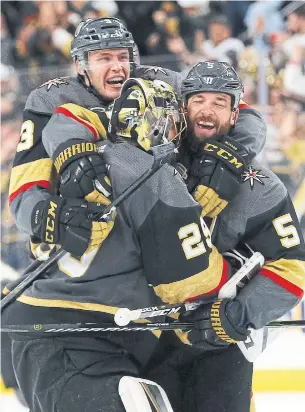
x: 56, y: 92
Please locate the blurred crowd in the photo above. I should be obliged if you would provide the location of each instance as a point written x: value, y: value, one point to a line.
x: 264, y: 40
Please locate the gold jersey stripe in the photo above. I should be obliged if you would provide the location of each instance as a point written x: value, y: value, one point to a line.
x: 68, y: 304
x: 291, y: 270
x: 198, y: 284
x: 183, y: 336
x: 5, y: 291
x: 88, y: 117
x: 38, y: 170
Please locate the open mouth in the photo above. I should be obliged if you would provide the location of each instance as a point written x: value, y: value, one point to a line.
x: 205, y: 125
x: 116, y: 81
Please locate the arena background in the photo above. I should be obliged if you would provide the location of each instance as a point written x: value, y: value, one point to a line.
x: 264, y: 40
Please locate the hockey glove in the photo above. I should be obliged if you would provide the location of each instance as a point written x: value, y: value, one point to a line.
x: 83, y: 171
x: 40, y: 250
x: 217, y: 325
x: 215, y: 174
x: 68, y: 222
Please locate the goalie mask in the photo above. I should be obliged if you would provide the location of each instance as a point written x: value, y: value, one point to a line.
x: 148, y: 113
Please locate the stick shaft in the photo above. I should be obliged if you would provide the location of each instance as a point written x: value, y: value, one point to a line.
x: 89, y: 328
x: 25, y: 283
x: 93, y: 327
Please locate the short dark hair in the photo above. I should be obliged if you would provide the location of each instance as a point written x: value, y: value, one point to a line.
x: 300, y: 10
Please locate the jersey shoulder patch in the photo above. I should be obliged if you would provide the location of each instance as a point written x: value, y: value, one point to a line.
x: 51, y: 94
x: 56, y: 92
x: 55, y: 83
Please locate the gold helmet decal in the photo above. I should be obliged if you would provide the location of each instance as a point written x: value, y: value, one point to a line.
x: 147, y: 113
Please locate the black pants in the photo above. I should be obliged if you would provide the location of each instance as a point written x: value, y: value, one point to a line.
x: 81, y: 374
x: 72, y: 374
x: 7, y: 371
x: 215, y: 381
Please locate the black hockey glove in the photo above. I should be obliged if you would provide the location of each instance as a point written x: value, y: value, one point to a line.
x: 215, y: 174
x: 83, y: 172
x: 216, y: 325
x: 69, y: 223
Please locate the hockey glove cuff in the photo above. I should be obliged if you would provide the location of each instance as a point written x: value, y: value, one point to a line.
x: 83, y: 171
x: 214, y: 326
x: 71, y: 150
x: 69, y: 222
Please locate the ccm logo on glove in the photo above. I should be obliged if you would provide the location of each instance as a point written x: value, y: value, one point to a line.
x: 222, y: 153
x: 50, y: 227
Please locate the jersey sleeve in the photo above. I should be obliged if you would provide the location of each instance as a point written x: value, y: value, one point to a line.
x: 280, y: 284
x: 31, y: 174
x: 249, y: 130
x: 71, y: 121
x: 179, y: 260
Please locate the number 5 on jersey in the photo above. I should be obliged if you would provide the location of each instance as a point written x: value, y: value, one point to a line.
x: 192, y: 243
x: 288, y: 233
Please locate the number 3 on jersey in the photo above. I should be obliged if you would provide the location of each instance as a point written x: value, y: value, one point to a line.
x: 192, y: 243
x: 26, y: 136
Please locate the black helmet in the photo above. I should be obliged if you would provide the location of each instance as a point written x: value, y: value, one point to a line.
x: 212, y: 76
x: 101, y: 33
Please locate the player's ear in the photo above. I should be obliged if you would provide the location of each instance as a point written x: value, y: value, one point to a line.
x: 234, y: 117
x: 79, y: 68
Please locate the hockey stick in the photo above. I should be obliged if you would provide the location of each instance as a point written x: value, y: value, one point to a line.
x: 161, y: 153
x: 32, y: 276
x: 60, y: 328
x: 94, y: 327
x: 123, y: 316
x: 256, y: 341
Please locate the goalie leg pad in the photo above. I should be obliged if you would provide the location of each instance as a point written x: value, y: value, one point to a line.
x: 142, y: 395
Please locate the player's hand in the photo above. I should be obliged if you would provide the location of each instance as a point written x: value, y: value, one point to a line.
x: 69, y: 223
x: 217, y: 325
x: 215, y: 174
x: 83, y: 172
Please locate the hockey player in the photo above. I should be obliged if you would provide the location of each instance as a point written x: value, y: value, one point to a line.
x: 158, y: 251
x: 281, y: 279
x: 103, y: 50
x: 31, y: 178
x: 242, y: 204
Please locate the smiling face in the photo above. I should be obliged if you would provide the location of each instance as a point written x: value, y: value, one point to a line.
x: 209, y: 114
x: 107, y: 70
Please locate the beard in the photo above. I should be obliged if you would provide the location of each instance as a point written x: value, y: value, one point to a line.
x: 195, y: 140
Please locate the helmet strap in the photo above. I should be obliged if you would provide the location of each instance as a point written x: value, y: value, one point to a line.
x: 90, y: 88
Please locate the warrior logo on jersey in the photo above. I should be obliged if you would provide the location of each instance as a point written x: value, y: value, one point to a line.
x: 252, y: 175
x: 54, y: 82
